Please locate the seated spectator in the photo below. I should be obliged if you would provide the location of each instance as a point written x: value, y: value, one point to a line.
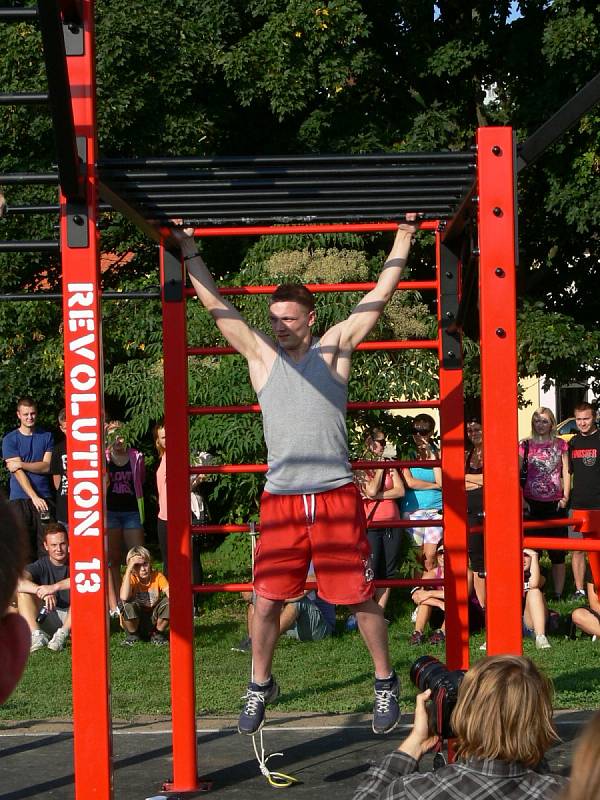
x: 144, y: 599
x: 587, y: 618
x: 585, y: 768
x: 502, y: 758
x: 535, y: 610
x: 430, y: 605
x: 306, y: 618
x: 15, y: 638
x: 43, y: 597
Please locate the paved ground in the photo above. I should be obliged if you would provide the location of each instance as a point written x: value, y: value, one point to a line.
x: 326, y: 753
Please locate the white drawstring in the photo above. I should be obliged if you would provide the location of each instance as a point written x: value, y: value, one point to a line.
x: 310, y: 517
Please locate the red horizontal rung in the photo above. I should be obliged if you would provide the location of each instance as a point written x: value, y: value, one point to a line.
x: 354, y: 406
x: 209, y: 588
x: 234, y: 468
x: 321, y: 288
x: 405, y: 344
x: 544, y: 543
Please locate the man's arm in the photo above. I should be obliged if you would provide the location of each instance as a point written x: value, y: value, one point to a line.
x: 249, y: 342
x: 25, y: 484
x: 351, y: 332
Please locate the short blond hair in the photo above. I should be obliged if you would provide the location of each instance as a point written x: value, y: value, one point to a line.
x: 516, y: 700
x: 141, y: 551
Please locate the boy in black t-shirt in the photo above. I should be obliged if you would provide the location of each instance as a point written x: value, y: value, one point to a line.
x: 584, y: 460
x: 43, y: 593
x: 58, y: 470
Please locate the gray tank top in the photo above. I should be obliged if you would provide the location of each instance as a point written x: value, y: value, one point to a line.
x: 304, y: 422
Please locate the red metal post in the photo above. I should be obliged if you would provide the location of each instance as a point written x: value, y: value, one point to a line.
x: 85, y: 447
x: 497, y: 301
x: 185, y: 770
x: 452, y: 439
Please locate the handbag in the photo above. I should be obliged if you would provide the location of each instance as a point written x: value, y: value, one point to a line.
x: 524, y: 463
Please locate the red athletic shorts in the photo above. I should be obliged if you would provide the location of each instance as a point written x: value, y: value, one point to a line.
x: 329, y: 528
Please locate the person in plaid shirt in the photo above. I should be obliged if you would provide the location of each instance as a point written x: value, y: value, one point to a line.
x: 503, y: 726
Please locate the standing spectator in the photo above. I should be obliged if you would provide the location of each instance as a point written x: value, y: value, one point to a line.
x: 44, y: 592
x: 584, y: 459
x: 474, y: 487
x: 124, y: 503
x: 544, y: 457
x: 198, y: 509
x: 380, y: 488
x: 58, y: 470
x: 27, y: 452
x: 423, y: 497
x: 144, y: 596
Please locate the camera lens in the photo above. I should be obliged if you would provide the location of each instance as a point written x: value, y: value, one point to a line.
x: 427, y: 672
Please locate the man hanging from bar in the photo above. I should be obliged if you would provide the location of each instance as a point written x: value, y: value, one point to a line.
x: 311, y: 508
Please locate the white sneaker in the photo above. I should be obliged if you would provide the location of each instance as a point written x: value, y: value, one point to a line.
x: 38, y: 640
x: 541, y: 642
x: 483, y: 646
x: 58, y: 641
x: 413, y: 616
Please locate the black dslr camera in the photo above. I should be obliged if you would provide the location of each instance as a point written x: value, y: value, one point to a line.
x: 429, y: 673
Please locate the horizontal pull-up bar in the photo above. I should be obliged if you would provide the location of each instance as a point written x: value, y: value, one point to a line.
x: 18, y: 14
x: 264, y: 222
x: 365, y: 405
x: 22, y: 297
x: 23, y: 247
x: 23, y: 99
x: 415, y: 344
x: 335, y: 158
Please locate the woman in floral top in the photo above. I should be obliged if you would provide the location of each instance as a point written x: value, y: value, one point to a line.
x: 547, y: 486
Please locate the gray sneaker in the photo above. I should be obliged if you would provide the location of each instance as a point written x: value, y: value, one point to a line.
x: 252, y: 717
x: 386, y: 711
x: 59, y: 640
x: 38, y: 640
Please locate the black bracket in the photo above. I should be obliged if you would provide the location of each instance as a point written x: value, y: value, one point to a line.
x: 77, y: 210
x: 451, y: 337
x: 173, y: 276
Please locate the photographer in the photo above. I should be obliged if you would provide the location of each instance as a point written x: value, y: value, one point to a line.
x: 496, y: 760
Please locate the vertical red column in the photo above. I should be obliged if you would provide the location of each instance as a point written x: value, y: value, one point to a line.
x: 185, y: 771
x: 498, y: 323
x: 85, y: 450
x: 452, y: 440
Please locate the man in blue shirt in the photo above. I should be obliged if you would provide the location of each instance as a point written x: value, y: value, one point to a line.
x: 27, y: 452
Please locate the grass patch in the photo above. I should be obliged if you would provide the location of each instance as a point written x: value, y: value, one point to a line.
x: 330, y: 676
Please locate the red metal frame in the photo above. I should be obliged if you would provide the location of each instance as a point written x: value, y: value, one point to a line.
x: 85, y: 449
x: 498, y: 326
x: 185, y: 768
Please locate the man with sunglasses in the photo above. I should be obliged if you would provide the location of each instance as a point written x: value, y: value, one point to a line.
x: 311, y: 508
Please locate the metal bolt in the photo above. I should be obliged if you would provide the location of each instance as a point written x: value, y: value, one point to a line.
x: 451, y: 354
x: 475, y: 198
x: 497, y: 150
x: 475, y: 251
x: 77, y: 219
x: 74, y: 28
x: 499, y: 272
x: 497, y: 211
x: 449, y: 274
x: 449, y: 315
x: 500, y: 332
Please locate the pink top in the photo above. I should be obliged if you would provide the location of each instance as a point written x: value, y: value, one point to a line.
x: 544, y: 469
x: 386, y: 509
x: 161, y: 485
